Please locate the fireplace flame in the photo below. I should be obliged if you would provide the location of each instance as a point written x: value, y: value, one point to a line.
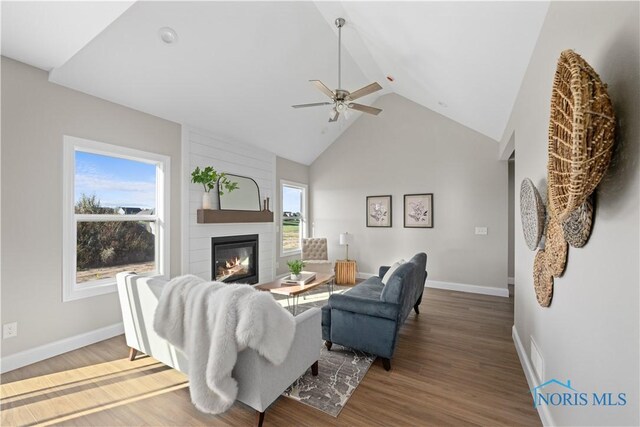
x: 232, y: 263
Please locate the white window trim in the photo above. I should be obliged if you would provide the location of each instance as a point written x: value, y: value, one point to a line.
x: 305, y: 207
x: 70, y: 290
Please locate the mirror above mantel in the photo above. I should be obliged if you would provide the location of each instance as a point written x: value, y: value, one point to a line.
x: 246, y: 197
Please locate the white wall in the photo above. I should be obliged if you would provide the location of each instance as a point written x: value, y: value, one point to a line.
x: 589, y: 334
x: 35, y: 116
x: 289, y: 171
x: 202, y: 149
x: 410, y: 149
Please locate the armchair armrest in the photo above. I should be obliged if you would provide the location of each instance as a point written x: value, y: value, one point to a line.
x: 364, y: 306
x: 383, y: 270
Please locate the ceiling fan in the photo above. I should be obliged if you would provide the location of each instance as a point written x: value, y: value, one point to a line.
x: 341, y: 98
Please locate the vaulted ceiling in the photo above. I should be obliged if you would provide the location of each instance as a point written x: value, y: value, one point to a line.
x: 237, y: 67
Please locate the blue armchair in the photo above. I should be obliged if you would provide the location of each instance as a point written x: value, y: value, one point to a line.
x: 368, y: 316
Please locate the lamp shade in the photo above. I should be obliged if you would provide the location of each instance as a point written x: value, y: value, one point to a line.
x: 345, y: 238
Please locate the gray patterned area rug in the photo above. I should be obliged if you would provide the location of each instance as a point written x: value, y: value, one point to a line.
x: 339, y: 370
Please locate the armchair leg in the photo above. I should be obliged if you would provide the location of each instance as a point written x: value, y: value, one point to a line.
x: 386, y: 363
x: 132, y: 353
x: 259, y: 418
x: 328, y: 344
x: 417, y: 310
x: 314, y: 369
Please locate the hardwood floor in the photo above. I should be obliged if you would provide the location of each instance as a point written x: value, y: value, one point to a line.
x: 455, y: 365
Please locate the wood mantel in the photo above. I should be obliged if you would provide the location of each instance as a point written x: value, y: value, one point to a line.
x: 216, y: 216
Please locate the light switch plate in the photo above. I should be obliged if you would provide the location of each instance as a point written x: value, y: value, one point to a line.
x: 482, y: 231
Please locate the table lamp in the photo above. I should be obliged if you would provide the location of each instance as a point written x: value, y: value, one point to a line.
x: 345, y: 239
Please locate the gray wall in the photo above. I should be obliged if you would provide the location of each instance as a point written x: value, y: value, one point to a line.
x: 290, y: 171
x: 410, y: 149
x: 35, y: 116
x: 590, y: 333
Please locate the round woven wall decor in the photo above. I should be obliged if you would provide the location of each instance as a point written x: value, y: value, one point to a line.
x: 555, y: 247
x: 532, y: 213
x: 542, y: 280
x: 577, y: 227
x: 581, y: 134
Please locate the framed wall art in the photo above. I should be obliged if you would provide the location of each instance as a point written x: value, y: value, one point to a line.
x: 378, y: 211
x: 418, y: 210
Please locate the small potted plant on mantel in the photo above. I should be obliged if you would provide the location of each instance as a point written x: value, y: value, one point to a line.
x: 295, y: 268
x: 210, y: 179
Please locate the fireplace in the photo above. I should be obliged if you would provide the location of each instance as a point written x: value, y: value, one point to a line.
x: 234, y: 259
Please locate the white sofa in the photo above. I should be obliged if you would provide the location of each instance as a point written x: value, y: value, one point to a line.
x: 259, y: 381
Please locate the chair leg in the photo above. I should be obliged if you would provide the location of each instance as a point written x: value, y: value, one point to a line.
x: 415, y: 307
x: 314, y: 369
x: 386, y: 363
x: 132, y: 353
x: 328, y: 344
x: 259, y: 418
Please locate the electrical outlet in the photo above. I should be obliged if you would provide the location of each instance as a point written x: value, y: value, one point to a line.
x: 10, y: 330
x: 482, y: 231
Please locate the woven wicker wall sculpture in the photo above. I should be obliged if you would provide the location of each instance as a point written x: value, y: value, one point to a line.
x: 542, y: 279
x: 577, y: 227
x: 581, y: 134
x: 555, y: 248
x: 532, y: 213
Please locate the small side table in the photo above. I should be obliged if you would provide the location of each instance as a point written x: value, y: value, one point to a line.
x: 345, y: 272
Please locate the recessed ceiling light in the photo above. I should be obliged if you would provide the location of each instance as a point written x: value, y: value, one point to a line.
x: 442, y: 104
x: 168, y: 35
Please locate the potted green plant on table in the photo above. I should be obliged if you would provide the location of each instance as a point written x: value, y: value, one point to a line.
x: 210, y: 179
x: 295, y: 268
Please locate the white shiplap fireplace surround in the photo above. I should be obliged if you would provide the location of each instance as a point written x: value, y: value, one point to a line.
x: 201, y: 148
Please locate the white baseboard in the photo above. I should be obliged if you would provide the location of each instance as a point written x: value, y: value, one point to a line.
x: 511, y: 281
x: 27, y: 357
x: 463, y: 287
x: 543, y: 410
x: 460, y: 287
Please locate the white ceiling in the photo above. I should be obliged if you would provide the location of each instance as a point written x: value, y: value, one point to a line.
x: 47, y: 34
x: 239, y: 66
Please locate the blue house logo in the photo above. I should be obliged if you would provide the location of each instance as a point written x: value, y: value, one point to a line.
x: 563, y: 394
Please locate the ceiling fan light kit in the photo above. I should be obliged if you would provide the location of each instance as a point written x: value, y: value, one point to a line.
x: 341, y: 98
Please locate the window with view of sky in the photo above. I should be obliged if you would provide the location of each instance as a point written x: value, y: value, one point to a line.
x: 292, y: 210
x: 116, y: 182
x: 108, y: 185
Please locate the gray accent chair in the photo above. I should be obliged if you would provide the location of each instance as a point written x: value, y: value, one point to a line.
x: 260, y: 382
x: 315, y: 255
x: 369, y: 316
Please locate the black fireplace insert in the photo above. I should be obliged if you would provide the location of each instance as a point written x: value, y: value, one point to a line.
x: 234, y: 259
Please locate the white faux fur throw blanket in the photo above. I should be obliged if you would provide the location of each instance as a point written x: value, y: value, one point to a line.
x: 211, y: 322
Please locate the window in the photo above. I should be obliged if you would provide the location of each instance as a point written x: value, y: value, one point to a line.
x: 293, y: 208
x: 116, y: 204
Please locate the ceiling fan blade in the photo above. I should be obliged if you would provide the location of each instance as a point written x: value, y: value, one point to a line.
x: 323, y: 88
x: 315, y: 104
x: 334, y: 116
x: 365, y: 108
x: 373, y: 87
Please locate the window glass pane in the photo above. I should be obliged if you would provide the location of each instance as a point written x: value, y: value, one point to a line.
x: 107, y: 248
x: 291, y: 218
x: 111, y: 185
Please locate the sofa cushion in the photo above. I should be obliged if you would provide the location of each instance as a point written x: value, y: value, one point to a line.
x: 370, y: 289
x: 400, y: 279
x: 391, y: 270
